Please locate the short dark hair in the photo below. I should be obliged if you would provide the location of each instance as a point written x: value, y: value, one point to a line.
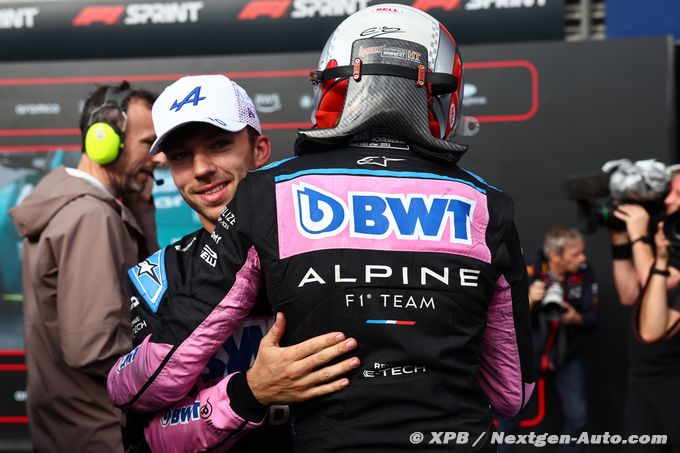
x: 96, y: 99
x: 192, y: 128
x: 252, y: 135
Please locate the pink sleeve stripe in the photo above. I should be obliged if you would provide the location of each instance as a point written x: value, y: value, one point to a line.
x: 500, y: 373
x: 155, y: 375
x: 528, y: 391
x: 198, y: 423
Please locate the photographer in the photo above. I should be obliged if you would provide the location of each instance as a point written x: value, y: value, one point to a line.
x: 654, y: 353
x: 563, y: 301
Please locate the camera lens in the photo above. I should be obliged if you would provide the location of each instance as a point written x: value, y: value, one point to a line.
x: 671, y: 229
x: 552, y: 305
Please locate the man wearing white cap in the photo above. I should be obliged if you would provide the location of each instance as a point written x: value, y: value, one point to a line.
x: 372, y: 229
x: 210, y: 133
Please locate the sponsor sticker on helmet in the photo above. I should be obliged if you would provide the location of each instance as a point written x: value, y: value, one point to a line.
x: 387, y: 9
x: 452, y: 114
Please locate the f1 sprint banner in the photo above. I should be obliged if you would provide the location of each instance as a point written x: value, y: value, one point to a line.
x: 125, y: 29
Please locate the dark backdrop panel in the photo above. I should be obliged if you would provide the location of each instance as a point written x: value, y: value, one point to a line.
x: 546, y: 110
x: 125, y: 29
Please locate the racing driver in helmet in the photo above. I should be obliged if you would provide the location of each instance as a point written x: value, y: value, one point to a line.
x: 372, y: 229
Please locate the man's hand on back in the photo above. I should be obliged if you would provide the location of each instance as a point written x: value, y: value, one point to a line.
x: 282, y: 375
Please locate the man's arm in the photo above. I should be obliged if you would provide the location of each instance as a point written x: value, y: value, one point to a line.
x: 186, y: 303
x: 626, y: 281
x: 183, y: 313
x: 241, y: 401
x: 193, y: 303
x: 636, y: 219
x: 506, y: 354
x: 626, y: 278
x: 586, y: 316
x: 536, y: 293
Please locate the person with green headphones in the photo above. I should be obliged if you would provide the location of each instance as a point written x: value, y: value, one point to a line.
x: 82, y: 228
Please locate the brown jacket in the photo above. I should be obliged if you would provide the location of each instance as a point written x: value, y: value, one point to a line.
x: 79, y: 243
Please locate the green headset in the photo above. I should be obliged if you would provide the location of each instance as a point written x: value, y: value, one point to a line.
x: 104, y: 141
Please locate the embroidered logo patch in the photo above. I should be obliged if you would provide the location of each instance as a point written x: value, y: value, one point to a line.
x: 150, y: 280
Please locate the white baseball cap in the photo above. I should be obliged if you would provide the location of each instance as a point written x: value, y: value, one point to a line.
x: 212, y: 99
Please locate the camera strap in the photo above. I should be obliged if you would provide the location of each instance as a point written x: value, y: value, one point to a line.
x: 545, y: 357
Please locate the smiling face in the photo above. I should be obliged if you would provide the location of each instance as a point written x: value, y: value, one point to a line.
x: 207, y: 163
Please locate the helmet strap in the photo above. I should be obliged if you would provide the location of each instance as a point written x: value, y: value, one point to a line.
x: 441, y: 82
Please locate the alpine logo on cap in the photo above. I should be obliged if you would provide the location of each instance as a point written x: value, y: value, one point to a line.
x: 194, y: 97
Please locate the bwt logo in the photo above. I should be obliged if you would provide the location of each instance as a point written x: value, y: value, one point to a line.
x: 128, y: 359
x: 239, y: 351
x: 181, y: 415
x: 374, y: 215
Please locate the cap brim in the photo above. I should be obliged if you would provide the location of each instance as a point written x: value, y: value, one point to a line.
x: 229, y: 126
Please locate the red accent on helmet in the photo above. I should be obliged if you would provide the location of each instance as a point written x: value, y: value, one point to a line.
x: 457, y: 72
x: 332, y: 101
x: 435, y: 127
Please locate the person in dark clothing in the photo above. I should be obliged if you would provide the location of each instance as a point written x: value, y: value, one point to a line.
x: 652, y: 398
x: 207, y: 161
x: 372, y: 230
x: 563, y: 296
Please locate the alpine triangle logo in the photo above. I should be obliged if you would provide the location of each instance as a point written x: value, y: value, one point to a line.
x: 194, y: 97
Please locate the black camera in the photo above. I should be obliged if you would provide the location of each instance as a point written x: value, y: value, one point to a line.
x: 671, y: 229
x: 597, y: 195
x: 592, y: 214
